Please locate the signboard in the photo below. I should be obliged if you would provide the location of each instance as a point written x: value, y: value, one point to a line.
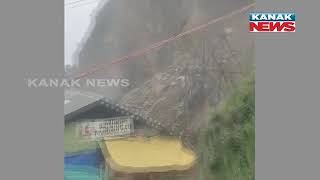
x: 106, y: 128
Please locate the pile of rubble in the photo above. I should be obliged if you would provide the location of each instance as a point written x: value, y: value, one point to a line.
x: 171, y: 98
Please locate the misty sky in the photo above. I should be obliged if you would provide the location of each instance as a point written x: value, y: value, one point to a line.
x: 77, y: 17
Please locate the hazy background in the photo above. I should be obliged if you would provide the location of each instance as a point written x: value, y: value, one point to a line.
x: 77, y: 19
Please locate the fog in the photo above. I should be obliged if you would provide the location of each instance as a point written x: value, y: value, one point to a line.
x: 77, y: 20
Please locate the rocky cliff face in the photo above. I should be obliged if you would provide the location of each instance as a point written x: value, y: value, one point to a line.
x: 123, y: 26
x: 175, y: 84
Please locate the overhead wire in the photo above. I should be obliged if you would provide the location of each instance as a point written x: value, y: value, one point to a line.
x: 160, y: 44
x: 80, y: 3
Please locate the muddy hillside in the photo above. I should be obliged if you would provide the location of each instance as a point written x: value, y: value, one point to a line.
x: 176, y: 84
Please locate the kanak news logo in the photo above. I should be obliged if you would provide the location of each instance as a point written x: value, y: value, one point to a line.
x: 272, y: 22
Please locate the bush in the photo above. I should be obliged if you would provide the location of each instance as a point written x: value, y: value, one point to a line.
x: 227, y: 146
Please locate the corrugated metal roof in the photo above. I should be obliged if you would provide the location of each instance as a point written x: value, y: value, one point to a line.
x: 75, y: 100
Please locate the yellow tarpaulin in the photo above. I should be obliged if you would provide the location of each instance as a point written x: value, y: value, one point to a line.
x: 139, y: 154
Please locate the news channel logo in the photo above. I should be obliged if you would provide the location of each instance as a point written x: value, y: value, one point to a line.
x: 272, y: 22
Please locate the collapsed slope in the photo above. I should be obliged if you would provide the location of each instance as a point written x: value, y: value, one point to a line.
x: 176, y: 84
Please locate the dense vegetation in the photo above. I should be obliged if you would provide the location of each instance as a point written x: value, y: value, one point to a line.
x: 227, y: 146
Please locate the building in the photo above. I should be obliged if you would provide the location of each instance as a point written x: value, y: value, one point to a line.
x: 126, y: 145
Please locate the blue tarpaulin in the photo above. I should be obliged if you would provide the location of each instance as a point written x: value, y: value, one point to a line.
x: 89, y: 158
x: 82, y: 166
x: 78, y: 172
